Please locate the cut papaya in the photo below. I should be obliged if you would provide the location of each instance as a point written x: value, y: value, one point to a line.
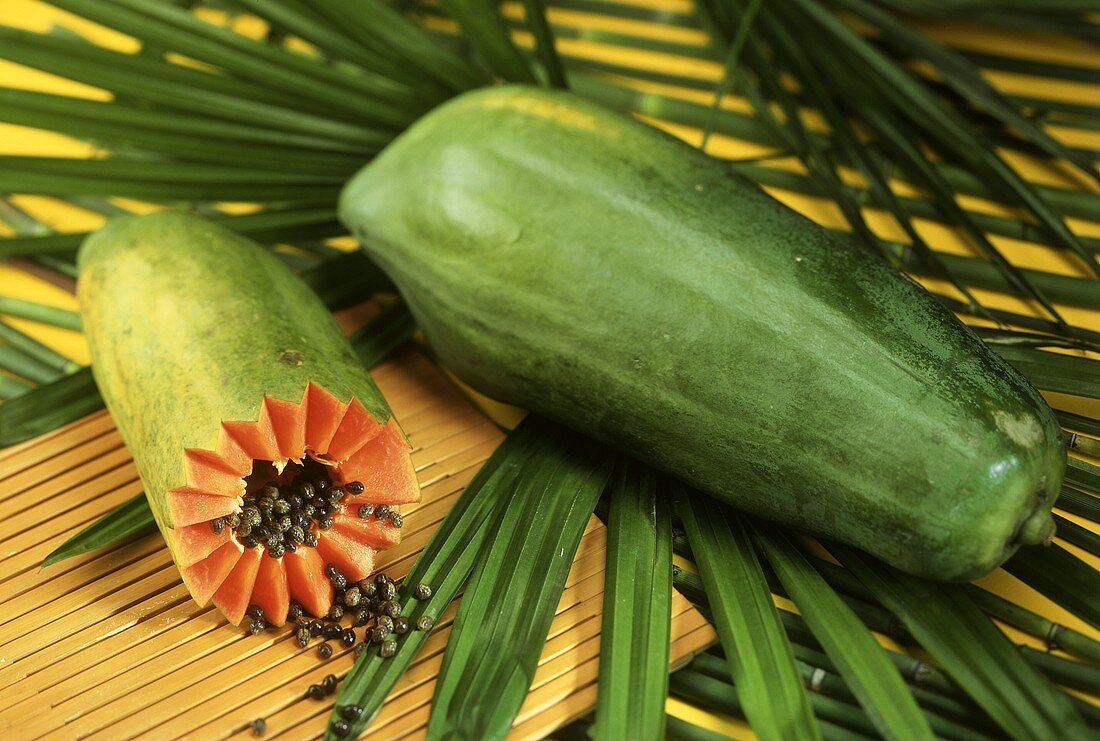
x: 204, y: 578
x: 288, y: 424
x: 302, y: 567
x: 323, y: 415
x: 272, y: 590
x: 353, y: 558
x: 375, y: 533
x: 195, y: 542
x: 243, y: 405
x: 388, y: 478
x: 356, y: 428
x: 188, y: 506
x: 234, y: 594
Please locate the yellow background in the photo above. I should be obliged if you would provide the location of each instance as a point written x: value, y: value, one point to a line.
x: 19, y: 140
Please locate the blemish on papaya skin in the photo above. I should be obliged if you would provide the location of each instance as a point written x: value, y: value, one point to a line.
x: 1022, y: 429
x: 292, y: 358
x: 547, y: 109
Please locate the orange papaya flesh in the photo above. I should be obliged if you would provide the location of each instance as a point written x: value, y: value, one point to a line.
x: 233, y: 596
x: 313, y: 593
x: 377, y: 456
x: 354, y: 559
x: 196, y: 542
x: 387, y: 477
x: 204, y: 577
x: 371, y: 532
x: 271, y: 590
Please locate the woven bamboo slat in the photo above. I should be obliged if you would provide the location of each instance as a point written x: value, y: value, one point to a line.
x: 109, y: 644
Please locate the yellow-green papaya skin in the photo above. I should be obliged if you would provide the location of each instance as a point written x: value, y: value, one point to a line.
x: 190, y: 324
x: 588, y: 267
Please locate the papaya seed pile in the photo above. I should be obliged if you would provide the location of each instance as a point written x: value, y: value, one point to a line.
x: 285, y: 515
x: 372, y: 605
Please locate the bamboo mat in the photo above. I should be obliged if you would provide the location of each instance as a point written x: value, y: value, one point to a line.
x: 110, y: 645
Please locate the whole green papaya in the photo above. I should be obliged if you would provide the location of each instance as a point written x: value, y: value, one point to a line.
x: 588, y: 267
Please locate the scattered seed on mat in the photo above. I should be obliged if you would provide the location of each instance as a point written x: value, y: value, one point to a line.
x: 324, y: 650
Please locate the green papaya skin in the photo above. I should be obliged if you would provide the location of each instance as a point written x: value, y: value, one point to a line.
x: 585, y: 266
x: 190, y: 324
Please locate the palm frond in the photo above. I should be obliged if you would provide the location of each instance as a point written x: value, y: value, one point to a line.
x: 485, y: 31
x: 836, y: 721
x: 962, y: 75
x: 1063, y: 577
x: 637, y: 608
x: 859, y: 658
x: 175, y: 87
x: 375, y: 24
x: 128, y: 520
x: 48, y: 407
x: 971, y: 650
x: 378, y: 338
x: 1052, y: 371
x: 446, y: 562
x: 1075, y: 534
x: 276, y: 225
x: 364, y: 94
x: 11, y: 387
x: 34, y: 349
x: 760, y: 659
x: 545, y: 49
x: 1084, y: 475
x: 729, y: 68
x: 25, y: 366
x: 514, y: 589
